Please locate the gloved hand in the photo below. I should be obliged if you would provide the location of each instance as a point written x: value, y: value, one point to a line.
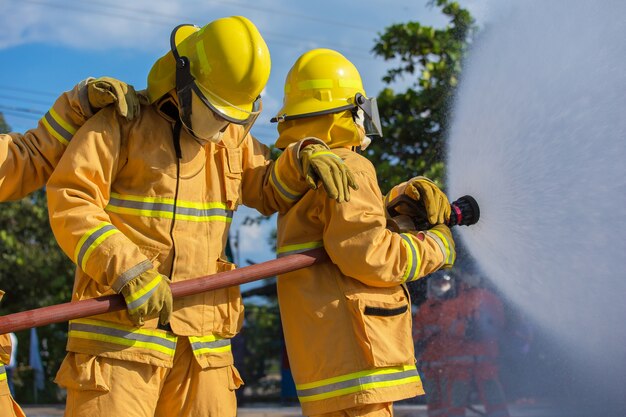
x: 105, y: 90
x: 443, y: 232
x: 319, y: 163
x: 432, y: 204
x: 148, y: 295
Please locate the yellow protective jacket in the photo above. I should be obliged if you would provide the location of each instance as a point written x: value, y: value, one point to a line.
x: 347, y: 323
x: 26, y: 161
x: 5, y: 357
x: 125, y: 198
x: 8, y: 406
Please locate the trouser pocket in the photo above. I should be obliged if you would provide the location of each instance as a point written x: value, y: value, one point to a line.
x: 83, y: 373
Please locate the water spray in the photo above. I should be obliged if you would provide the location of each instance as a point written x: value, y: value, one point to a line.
x: 464, y: 211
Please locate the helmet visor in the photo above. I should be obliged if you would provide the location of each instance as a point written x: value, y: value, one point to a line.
x: 371, y: 121
x: 203, y: 123
x: 225, y: 111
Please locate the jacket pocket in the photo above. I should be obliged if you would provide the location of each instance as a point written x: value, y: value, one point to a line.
x: 232, y: 177
x: 383, y: 330
x: 83, y: 373
x: 228, y: 306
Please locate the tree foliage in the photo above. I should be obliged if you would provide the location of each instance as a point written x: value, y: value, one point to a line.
x: 4, y: 127
x: 415, y: 120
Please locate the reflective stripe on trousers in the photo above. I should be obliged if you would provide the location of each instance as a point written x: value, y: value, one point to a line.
x: 357, y: 382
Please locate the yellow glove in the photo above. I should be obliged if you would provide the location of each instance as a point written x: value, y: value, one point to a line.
x: 105, y: 90
x: 449, y: 247
x: 319, y: 163
x: 148, y: 295
x: 432, y: 204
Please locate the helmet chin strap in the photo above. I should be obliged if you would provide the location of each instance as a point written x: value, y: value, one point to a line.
x: 184, y: 80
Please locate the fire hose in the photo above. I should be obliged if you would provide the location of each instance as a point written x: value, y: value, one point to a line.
x: 84, y: 308
x: 464, y: 212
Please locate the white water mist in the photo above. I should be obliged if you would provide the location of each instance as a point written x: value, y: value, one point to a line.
x: 539, y: 139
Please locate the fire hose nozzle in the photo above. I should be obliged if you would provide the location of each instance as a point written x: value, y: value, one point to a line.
x: 465, y: 212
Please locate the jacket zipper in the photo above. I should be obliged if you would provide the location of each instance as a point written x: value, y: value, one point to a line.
x: 179, y: 156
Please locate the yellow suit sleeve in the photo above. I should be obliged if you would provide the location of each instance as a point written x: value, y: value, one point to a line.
x: 358, y: 242
x: 27, y: 160
x: 78, y: 192
x: 271, y: 186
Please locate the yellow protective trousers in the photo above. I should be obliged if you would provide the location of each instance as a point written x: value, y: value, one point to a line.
x: 369, y: 410
x: 101, y: 387
x: 8, y: 406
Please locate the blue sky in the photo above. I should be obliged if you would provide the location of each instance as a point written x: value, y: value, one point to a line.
x: 47, y: 46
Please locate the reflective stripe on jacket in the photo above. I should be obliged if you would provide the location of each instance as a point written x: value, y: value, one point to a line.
x: 158, y: 345
x: 5, y: 344
x: 122, y: 202
x: 347, y: 323
x: 26, y: 161
x: 5, y: 349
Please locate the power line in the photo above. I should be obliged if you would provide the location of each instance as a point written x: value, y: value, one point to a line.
x: 21, y: 110
x: 300, y: 16
x: 25, y: 99
x: 273, y: 12
x: 140, y: 15
x: 24, y: 90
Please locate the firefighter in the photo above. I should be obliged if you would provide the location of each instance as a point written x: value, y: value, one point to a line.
x: 8, y: 406
x: 26, y: 161
x: 458, y: 328
x: 432, y: 341
x: 478, y: 322
x: 347, y: 322
x: 138, y: 203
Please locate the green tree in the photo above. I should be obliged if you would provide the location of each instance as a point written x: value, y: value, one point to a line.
x: 415, y: 121
x: 33, y: 273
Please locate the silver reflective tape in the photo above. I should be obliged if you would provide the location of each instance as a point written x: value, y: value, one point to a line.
x: 280, y: 188
x: 57, y: 127
x: 210, y: 345
x: 359, y: 381
x: 90, y: 240
x: 414, y: 256
x: 128, y: 335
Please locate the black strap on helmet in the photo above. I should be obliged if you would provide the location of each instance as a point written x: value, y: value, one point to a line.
x: 184, y: 79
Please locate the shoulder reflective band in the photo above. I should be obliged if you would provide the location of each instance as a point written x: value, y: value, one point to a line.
x: 357, y: 382
x: 3, y: 373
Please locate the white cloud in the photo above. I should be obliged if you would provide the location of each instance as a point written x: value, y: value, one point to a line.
x: 88, y: 25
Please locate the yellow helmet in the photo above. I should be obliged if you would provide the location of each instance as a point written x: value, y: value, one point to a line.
x: 226, y: 63
x: 323, y: 81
